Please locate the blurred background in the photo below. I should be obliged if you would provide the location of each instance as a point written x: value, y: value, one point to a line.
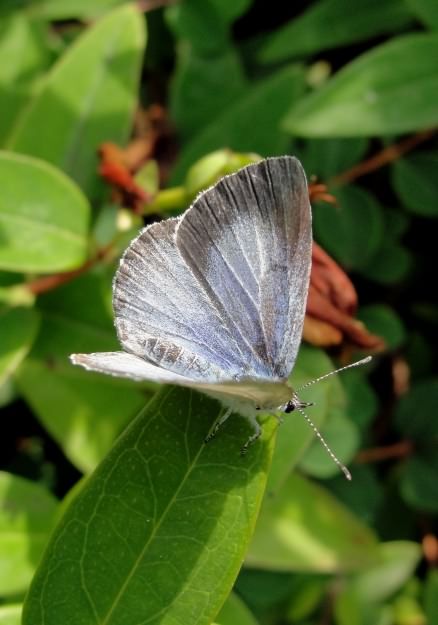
x: 113, y: 115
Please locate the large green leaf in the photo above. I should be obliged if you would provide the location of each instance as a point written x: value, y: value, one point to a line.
x: 303, y: 528
x: 18, y: 329
x: 390, y: 89
x: 27, y: 514
x: 24, y: 54
x: 43, y: 217
x: 88, y: 97
x: 158, y: 533
x: 330, y: 24
x: 251, y: 124
x: 84, y: 412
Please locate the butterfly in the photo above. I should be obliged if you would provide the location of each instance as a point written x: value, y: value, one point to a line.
x: 215, y: 299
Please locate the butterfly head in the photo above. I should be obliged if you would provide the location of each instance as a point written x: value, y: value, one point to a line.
x: 295, y: 403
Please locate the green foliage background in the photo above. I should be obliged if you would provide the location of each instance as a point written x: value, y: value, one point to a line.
x: 112, y: 510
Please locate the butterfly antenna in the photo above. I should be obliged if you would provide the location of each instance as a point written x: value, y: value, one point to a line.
x: 336, y: 460
x: 358, y: 363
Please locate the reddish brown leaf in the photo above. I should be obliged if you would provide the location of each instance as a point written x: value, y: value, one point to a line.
x: 331, y: 304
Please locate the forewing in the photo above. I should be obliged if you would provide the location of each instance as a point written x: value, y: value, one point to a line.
x: 163, y: 314
x: 248, y: 242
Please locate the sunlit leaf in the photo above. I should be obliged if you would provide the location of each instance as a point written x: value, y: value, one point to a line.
x: 89, y: 97
x: 27, y: 514
x: 389, y: 89
x: 303, y: 528
x: 159, y: 531
x: 43, y: 217
x: 10, y: 614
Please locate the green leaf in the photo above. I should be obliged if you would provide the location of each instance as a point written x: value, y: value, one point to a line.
x: 416, y: 415
x: 397, y: 561
x: 303, y: 528
x: 89, y: 97
x: 330, y: 24
x: 362, y: 401
x: 295, y: 435
x: 18, y: 329
x: 426, y: 11
x: 415, y: 181
x: 234, y: 611
x: 10, y: 614
x: 391, y: 263
x: 383, y: 321
x: 342, y: 437
x: 230, y: 10
x: 209, y: 75
x: 219, y: 81
x: 251, y: 124
x: 418, y: 484
x: 431, y: 596
x: 390, y: 89
x: 27, y: 514
x: 353, y: 229
x: 43, y: 217
x: 84, y: 412
x: 328, y: 157
x: 365, y: 498
x: 360, y: 601
x: 24, y: 54
x: 68, y: 9
x: 159, y: 531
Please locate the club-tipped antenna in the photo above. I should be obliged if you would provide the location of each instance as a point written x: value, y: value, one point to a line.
x: 320, y: 437
x: 358, y: 363
x: 323, y: 442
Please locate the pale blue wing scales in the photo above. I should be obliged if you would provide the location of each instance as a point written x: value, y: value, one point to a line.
x: 122, y: 364
x: 163, y: 314
x: 248, y: 241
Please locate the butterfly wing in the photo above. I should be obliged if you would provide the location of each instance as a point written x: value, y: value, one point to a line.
x: 124, y: 365
x: 163, y: 314
x: 248, y: 241
x: 219, y: 294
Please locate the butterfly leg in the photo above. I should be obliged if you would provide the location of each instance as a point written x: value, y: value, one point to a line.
x: 221, y: 420
x: 279, y: 418
x: 252, y: 439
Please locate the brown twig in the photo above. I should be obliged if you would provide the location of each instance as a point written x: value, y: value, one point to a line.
x: 382, y: 158
x: 48, y: 283
x: 378, y: 454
